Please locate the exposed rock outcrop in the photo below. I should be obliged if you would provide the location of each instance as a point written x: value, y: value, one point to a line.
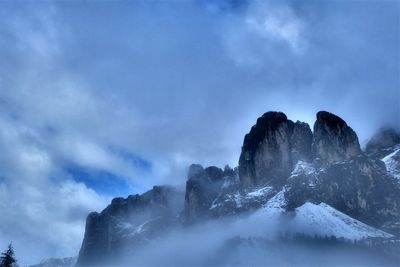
x: 359, y: 187
x: 385, y: 146
x: 383, y: 142
x: 333, y: 139
x: 127, y: 223
x: 202, y: 188
x: 271, y: 149
x: 343, y: 176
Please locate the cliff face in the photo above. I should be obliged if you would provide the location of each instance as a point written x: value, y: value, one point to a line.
x: 202, y: 188
x: 333, y: 140
x: 359, y: 187
x: 383, y: 139
x: 128, y: 223
x: 271, y: 149
x: 282, y: 165
x: 343, y: 176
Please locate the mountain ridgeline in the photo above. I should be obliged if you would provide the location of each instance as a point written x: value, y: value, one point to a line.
x: 283, y: 166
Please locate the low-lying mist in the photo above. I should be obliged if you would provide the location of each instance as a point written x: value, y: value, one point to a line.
x: 254, y: 240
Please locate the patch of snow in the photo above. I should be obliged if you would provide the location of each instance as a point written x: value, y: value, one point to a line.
x: 215, y: 204
x: 393, y: 164
x: 324, y: 220
x: 238, y: 200
x: 129, y: 229
x: 306, y: 169
x: 303, y: 167
x: 235, y: 197
x: 312, y: 219
x: 276, y: 204
x: 260, y: 192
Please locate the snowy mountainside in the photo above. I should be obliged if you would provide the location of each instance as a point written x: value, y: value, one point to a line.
x: 392, y: 162
x: 313, y: 219
x: 323, y: 220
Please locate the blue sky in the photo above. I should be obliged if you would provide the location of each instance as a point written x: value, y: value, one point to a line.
x: 107, y: 98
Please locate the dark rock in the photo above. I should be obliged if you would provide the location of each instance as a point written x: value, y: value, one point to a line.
x: 214, y: 173
x: 383, y: 143
x: 271, y: 149
x: 333, y: 139
x: 202, y: 189
x: 385, y: 146
x: 127, y: 223
x: 195, y: 170
x: 228, y: 171
x: 233, y: 202
x: 360, y: 188
x: 301, y: 141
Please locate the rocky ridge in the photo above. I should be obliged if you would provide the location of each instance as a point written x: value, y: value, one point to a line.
x: 283, y: 164
x: 129, y: 222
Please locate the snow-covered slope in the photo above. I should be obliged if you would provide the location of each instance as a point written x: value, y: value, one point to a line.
x: 324, y: 220
x: 392, y: 162
x: 313, y: 219
x: 237, y: 201
x: 276, y: 204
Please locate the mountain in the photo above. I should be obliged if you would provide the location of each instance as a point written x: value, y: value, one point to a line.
x: 385, y: 145
x: 128, y: 223
x: 289, y: 178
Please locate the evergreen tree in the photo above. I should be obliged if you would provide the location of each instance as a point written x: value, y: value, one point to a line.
x: 7, y: 258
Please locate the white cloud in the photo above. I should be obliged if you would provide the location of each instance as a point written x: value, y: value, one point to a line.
x: 160, y: 83
x: 267, y: 28
x: 278, y: 23
x: 42, y: 212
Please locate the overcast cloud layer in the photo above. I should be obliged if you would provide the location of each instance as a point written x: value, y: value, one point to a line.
x: 105, y: 99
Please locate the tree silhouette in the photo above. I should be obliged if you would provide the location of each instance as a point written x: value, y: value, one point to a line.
x: 7, y: 258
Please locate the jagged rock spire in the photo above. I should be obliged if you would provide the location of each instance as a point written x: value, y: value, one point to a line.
x: 271, y: 149
x: 333, y: 139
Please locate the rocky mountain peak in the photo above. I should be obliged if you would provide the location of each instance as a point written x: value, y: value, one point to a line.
x: 266, y: 125
x: 279, y: 170
x: 333, y: 139
x: 330, y: 119
x: 271, y: 149
x: 384, y: 138
x: 202, y: 187
x: 195, y: 171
